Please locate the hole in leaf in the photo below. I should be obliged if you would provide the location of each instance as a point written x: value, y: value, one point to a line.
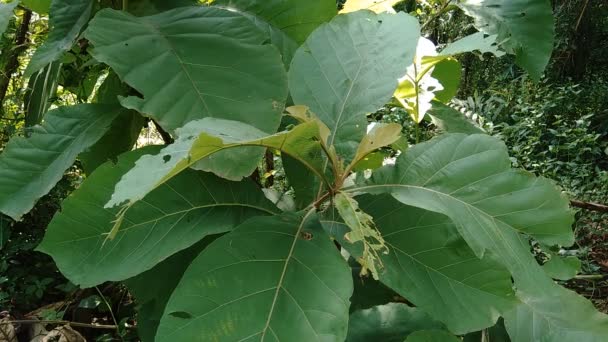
x: 167, y: 158
x: 306, y: 236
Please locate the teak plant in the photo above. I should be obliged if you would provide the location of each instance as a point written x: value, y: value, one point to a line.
x: 446, y: 228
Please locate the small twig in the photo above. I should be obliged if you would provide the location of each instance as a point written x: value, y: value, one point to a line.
x: 74, y: 324
x: 589, y: 206
x: 437, y: 15
x: 111, y: 312
x: 590, y: 277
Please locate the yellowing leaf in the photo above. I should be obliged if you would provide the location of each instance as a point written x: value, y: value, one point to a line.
x: 362, y: 229
x: 377, y: 6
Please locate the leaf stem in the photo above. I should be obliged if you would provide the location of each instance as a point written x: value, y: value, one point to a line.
x: 111, y: 312
x: 125, y: 5
x: 437, y: 15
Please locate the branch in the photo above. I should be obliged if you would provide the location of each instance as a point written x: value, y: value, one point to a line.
x: 589, y: 206
x: 12, y: 63
x: 74, y: 324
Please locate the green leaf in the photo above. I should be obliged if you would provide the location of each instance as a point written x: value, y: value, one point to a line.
x: 152, y: 300
x: 273, y: 278
x: 38, y: 6
x: 524, y: 28
x: 149, y: 7
x: 175, y: 216
x: 430, y: 265
x: 432, y: 336
x: 448, y: 73
x: 497, y: 333
x: 449, y: 120
x: 5, y: 230
x: 206, y: 62
x: 30, y: 167
x: 201, y: 139
x: 562, y: 268
x: 349, y: 67
x: 474, y: 42
x: 66, y: 19
x: 388, y: 323
x: 123, y: 133
x: 6, y: 14
x: 41, y: 90
x: 297, y: 18
x: 468, y: 179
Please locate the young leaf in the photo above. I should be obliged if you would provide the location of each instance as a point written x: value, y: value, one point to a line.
x: 474, y: 42
x: 432, y: 266
x: 205, y: 62
x: 377, y: 6
x: 363, y: 230
x: 30, y: 167
x: 381, y: 135
x: 390, y: 322
x: 468, y: 179
x: 66, y: 19
x: 357, y: 75
x: 296, y: 18
x: 173, y: 217
x: 523, y: 27
x: 275, y: 278
x: 6, y: 13
x: 201, y: 139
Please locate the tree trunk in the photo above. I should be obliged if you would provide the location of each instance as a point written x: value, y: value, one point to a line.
x: 12, y: 62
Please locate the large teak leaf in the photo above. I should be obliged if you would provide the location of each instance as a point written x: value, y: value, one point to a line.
x: 66, y: 19
x: 173, y: 217
x: 193, y: 62
x: 202, y: 139
x: 30, y: 167
x: 350, y: 67
x: 272, y: 279
x: 431, y: 265
x: 6, y: 14
x: 468, y: 179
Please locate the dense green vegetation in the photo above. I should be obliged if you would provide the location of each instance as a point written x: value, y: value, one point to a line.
x: 300, y: 170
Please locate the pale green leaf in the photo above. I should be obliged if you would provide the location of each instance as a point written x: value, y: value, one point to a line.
x: 388, y: 323
x: 6, y: 14
x: 468, y: 178
x: 193, y: 62
x: 377, y: 6
x: 30, y: 167
x: 296, y: 18
x: 562, y: 268
x: 432, y: 336
x: 66, y: 19
x: 381, y: 135
x: 201, y: 139
x: 474, y: 42
x: 523, y: 27
x: 349, y: 68
x: 173, y: 217
x: 431, y: 265
x: 40, y: 93
x: 272, y: 279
